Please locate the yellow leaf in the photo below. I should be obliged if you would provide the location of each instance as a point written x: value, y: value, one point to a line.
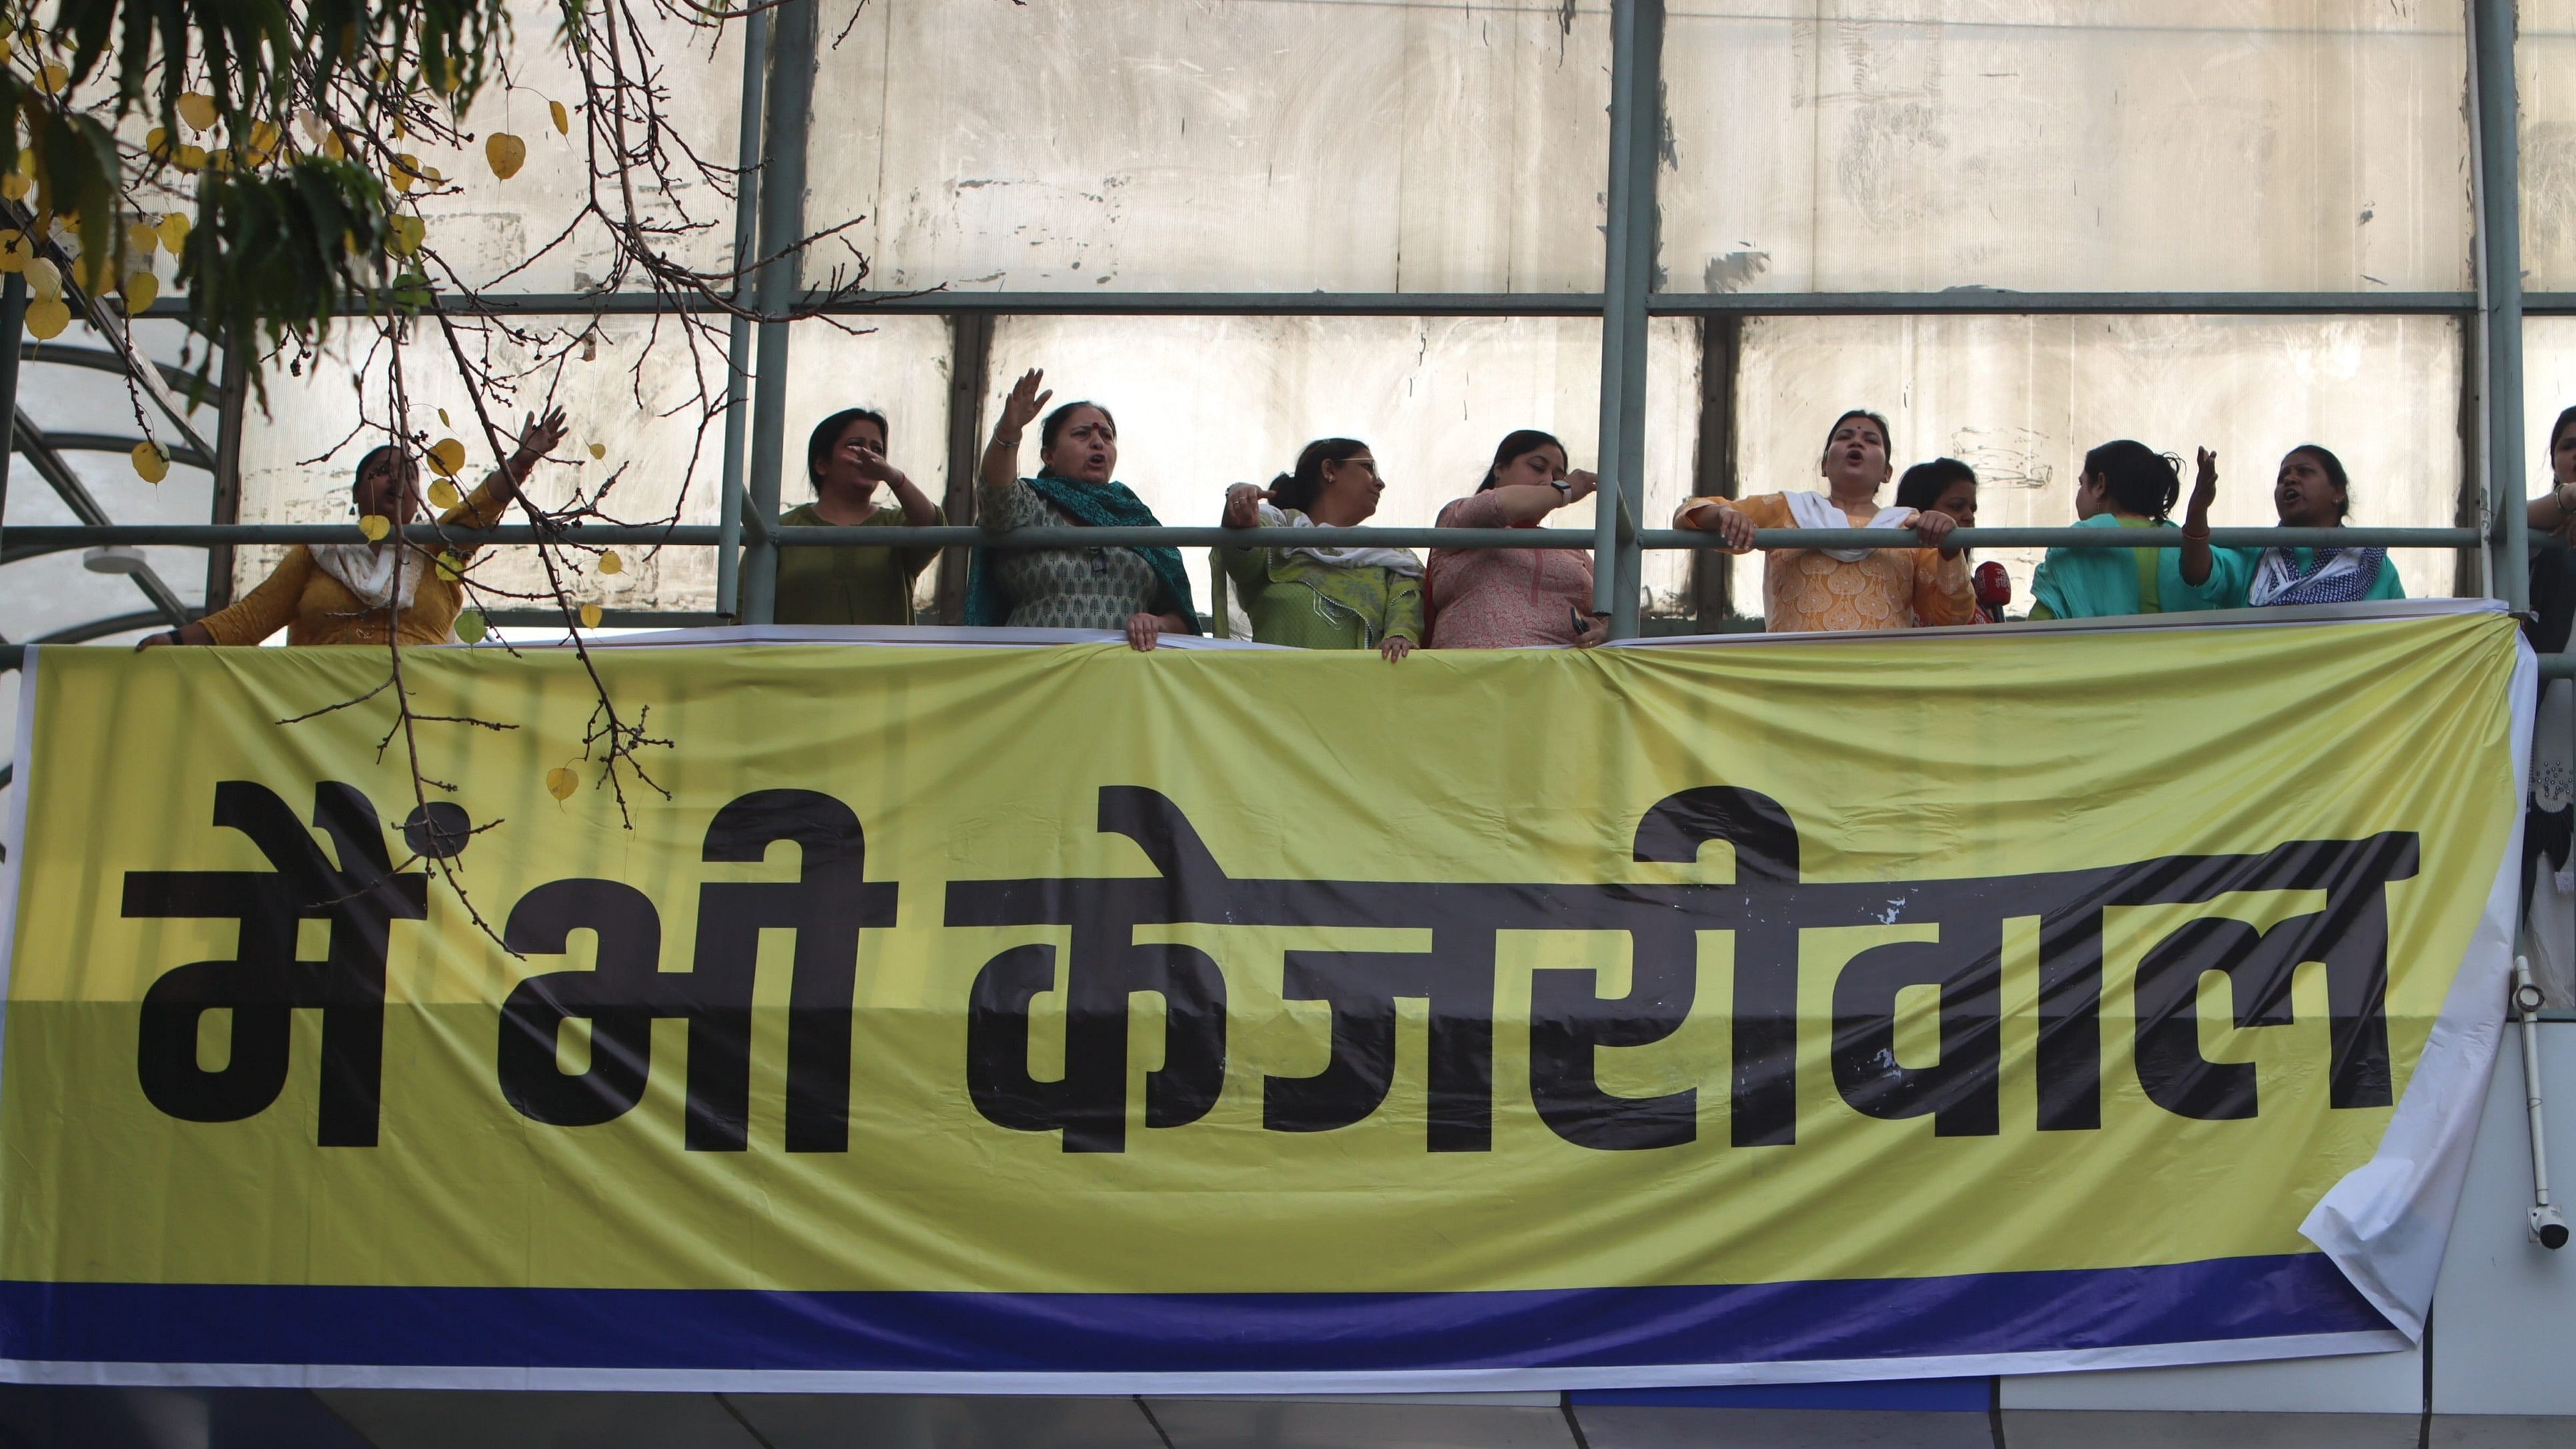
x: 139, y: 290
x: 446, y: 456
x: 443, y: 494
x: 451, y: 565
x: 141, y: 238
x: 47, y: 318
x: 375, y: 526
x: 90, y: 270
x: 56, y: 76
x: 408, y: 232
x: 156, y: 141
x: 44, y: 279
x: 610, y: 563
x: 192, y: 158
x: 174, y: 232
x: 15, y: 186
x: 15, y: 249
x: 599, y: 450
x: 561, y: 782
x: 470, y: 626
x: 590, y: 616
x: 5, y: 47
x: 563, y: 118
x: 150, y: 463
x: 442, y: 419
x: 506, y: 153
x: 334, y: 148
x: 198, y: 110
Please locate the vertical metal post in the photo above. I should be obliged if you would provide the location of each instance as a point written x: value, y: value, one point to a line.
x: 1627, y: 275
x: 232, y: 400
x: 1712, y: 574
x: 746, y: 241
x: 782, y: 226
x: 13, y: 329
x: 2498, y: 180
x: 970, y: 366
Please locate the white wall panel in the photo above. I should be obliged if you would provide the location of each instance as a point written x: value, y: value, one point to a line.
x: 1231, y: 145
x: 2082, y: 145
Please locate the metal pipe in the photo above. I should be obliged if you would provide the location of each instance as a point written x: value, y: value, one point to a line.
x: 13, y: 325
x: 700, y: 535
x: 2498, y: 179
x: 1617, y: 299
x: 746, y: 240
x: 1957, y: 301
x: 782, y: 226
x: 2548, y: 1227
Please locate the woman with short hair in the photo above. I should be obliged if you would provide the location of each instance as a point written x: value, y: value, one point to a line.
x: 1323, y: 598
x: 2123, y: 484
x: 1141, y: 591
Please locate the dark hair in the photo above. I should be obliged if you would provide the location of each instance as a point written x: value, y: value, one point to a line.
x: 2143, y: 481
x: 1886, y: 437
x: 1054, y: 423
x: 374, y: 456
x: 2334, y: 474
x: 2558, y: 429
x: 1924, y: 483
x: 1517, y: 444
x: 827, y: 435
x: 1297, y: 489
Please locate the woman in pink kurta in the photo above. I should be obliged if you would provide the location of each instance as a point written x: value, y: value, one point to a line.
x: 1515, y: 598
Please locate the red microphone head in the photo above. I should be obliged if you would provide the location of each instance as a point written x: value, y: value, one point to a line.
x: 1994, y: 586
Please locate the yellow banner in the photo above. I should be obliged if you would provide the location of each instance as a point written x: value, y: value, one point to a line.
x: 1476, y: 996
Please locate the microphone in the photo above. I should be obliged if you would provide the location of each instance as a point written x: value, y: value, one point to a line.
x: 1994, y: 590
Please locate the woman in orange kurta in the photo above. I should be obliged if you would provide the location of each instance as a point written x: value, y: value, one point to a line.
x: 343, y: 593
x: 1806, y: 589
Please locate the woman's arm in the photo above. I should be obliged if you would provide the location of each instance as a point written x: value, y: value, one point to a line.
x: 1000, y: 470
x: 255, y: 615
x: 2195, y: 522
x: 1719, y: 516
x: 1943, y: 591
x: 2551, y: 511
x: 486, y: 505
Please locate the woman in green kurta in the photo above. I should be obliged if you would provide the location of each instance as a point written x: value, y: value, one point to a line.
x: 2311, y: 490
x: 846, y: 458
x: 1323, y: 598
x: 2125, y: 484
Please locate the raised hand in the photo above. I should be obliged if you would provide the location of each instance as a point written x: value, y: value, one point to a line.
x: 539, y: 436
x: 1243, y: 505
x: 1023, y: 404
x: 1932, y: 525
x: 1583, y: 483
x: 2204, y: 488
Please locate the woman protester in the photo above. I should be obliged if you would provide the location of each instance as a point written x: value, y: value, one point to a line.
x: 1142, y: 591
x: 350, y: 593
x: 2123, y: 484
x: 1323, y: 598
x: 1807, y: 589
x: 1515, y: 598
x: 1944, y: 485
x: 846, y: 458
x: 2553, y: 569
x: 2310, y: 491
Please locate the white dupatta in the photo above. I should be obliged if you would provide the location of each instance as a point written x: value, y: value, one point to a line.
x: 1814, y: 510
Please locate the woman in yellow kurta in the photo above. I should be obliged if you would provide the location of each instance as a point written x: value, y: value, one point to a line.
x: 343, y: 593
x: 1813, y: 589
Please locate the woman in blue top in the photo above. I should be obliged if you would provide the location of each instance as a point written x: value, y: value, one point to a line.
x: 2125, y: 485
x: 2310, y: 491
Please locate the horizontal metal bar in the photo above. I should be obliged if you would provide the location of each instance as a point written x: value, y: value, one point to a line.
x: 964, y: 536
x: 2558, y: 666
x: 181, y: 453
x: 98, y: 359
x: 608, y: 619
x: 1972, y: 301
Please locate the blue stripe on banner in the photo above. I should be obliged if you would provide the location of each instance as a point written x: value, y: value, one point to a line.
x: 1916, y: 1396
x: 2231, y: 1298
